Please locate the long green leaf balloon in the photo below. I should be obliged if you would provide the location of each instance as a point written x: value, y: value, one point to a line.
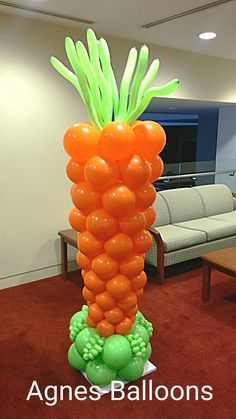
x: 115, y: 94
x: 66, y: 73
x: 106, y: 68
x: 148, y: 79
x: 158, y: 91
x: 94, y: 80
x: 103, y: 86
x: 138, y: 77
x: 125, y: 83
x: 91, y: 76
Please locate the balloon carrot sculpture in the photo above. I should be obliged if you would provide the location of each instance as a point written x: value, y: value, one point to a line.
x: 113, y: 162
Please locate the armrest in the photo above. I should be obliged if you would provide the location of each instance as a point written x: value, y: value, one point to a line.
x: 160, y: 254
x: 157, y: 237
x: 234, y: 199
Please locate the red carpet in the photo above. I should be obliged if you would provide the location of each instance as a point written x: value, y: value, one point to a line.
x: 194, y: 344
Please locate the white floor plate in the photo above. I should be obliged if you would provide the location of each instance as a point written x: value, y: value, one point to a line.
x: 148, y: 369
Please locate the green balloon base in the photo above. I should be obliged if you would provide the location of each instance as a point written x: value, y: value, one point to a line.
x: 118, y: 383
x: 116, y: 357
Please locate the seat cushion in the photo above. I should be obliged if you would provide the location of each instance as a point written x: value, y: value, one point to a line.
x: 228, y: 216
x: 217, y: 199
x: 214, y: 229
x: 176, y: 238
x: 163, y: 216
x: 184, y: 204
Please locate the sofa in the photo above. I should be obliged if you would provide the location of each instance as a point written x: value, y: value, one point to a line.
x: 191, y: 222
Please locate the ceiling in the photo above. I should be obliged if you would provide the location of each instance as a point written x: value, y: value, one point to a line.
x: 124, y: 18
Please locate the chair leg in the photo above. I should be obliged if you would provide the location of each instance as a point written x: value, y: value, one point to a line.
x: 161, y: 276
x: 206, y: 281
x: 160, y: 268
x: 64, y: 259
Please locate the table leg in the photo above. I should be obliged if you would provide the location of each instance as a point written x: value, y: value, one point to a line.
x: 206, y: 281
x: 63, y: 258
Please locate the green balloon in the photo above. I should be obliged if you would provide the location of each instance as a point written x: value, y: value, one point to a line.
x: 148, y: 352
x: 141, y: 330
x: 75, y: 360
x: 116, y: 351
x: 99, y: 373
x: 83, y: 338
x: 133, y: 370
x: 76, y: 316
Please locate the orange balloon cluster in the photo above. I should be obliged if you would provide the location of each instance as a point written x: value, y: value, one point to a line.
x: 112, y: 172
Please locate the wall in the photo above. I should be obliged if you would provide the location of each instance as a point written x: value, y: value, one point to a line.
x: 36, y: 107
x: 226, y: 145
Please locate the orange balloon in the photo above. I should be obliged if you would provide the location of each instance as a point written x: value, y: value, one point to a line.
x: 104, y: 266
x: 77, y: 220
x: 89, y: 245
x: 142, y: 241
x: 85, y: 197
x: 114, y: 316
x: 90, y: 322
x: 132, y: 313
x: 145, y: 196
x: 150, y: 215
x: 157, y: 168
x: 132, y: 266
x: 83, y: 261
x: 139, y: 294
x: 105, y: 301
x: 88, y: 295
x: 119, y: 246
x: 128, y: 302
x: 150, y: 138
x: 83, y: 273
x: 75, y: 171
x: 81, y: 141
x: 95, y: 313
x: 139, y: 281
x: 100, y: 173
x: 101, y: 223
x: 135, y: 172
x: 119, y: 286
x: 124, y: 327
x: 133, y: 223
x: 94, y: 283
x: 105, y: 328
x: 118, y: 200
x: 116, y: 141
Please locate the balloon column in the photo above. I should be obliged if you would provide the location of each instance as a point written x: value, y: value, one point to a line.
x: 113, y: 162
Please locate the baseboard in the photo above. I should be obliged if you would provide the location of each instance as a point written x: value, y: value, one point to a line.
x: 35, y: 275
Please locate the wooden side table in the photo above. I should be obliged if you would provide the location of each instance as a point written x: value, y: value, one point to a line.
x: 223, y: 260
x: 67, y: 237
